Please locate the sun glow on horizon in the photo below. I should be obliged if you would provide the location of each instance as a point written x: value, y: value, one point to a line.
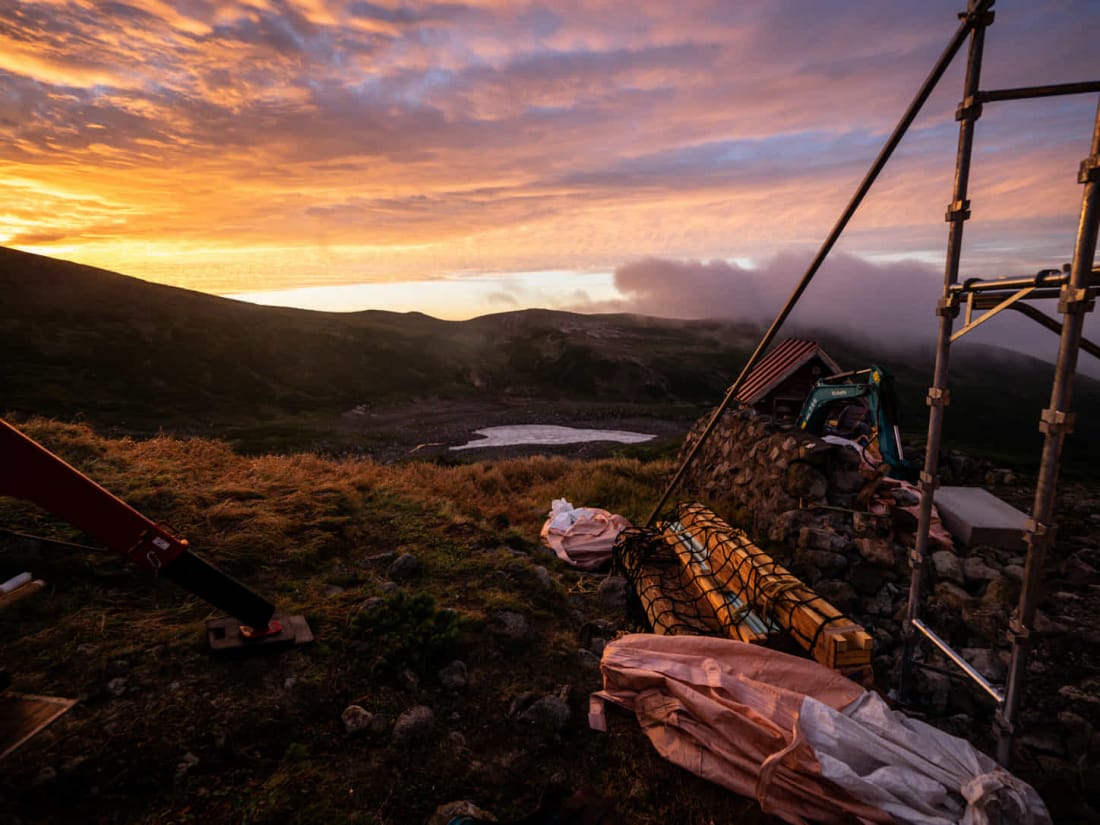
x: 263, y: 148
x: 454, y: 299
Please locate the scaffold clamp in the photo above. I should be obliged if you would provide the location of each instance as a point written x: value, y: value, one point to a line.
x: 1075, y: 300
x: 970, y: 109
x: 1090, y: 170
x: 958, y: 211
x: 1018, y: 633
x: 1058, y: 422
x: 948, y: 306
x: 938, y: 397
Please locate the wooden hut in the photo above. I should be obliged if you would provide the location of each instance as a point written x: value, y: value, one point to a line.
x: 779, y: 384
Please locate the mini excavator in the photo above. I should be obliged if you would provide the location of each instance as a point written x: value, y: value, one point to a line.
x: 29, y: 471
x: 860, y: 406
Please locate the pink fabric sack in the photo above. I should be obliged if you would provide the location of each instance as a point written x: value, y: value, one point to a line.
x: 807, y: 743
x: 582, y: 537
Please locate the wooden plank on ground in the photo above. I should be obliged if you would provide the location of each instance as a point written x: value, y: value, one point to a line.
x: 24, y: 715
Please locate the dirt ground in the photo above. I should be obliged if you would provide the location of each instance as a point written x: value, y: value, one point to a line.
x: 429, y: 428
x: 163, y: 733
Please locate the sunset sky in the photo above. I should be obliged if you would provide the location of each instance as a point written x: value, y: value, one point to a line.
x: 676, y: 158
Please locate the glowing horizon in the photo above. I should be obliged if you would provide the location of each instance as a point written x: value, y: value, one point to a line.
x: 252, y: 147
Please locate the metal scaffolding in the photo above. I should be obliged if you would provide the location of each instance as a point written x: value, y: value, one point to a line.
x: 1074, y: 287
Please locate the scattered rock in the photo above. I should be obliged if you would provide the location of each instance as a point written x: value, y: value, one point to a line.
x: 117, y: 686
x: 933, y: 689
x: 905, y: 498
x: 185, y: 765
x: 1075, y: 694
x: 868, y: 579
x: 588, y: 659
x: 1001, y: 592
x: 1059, y: 788
x: 1078, y: 732
x: 410, y: 681
x: 542, y: 576
x: 520, y: 703
x: 1044, y: 740
x: 508, y: 624
x: 550, y: 713
x: 947, y: 567
x: 414, y: 725
x: 47, y: 774
x: 846, y: 480
x: 454, y: 676
x: 952, y: 596
x: 975, y: 570
x: 372, y: 604
x: 822, y: 561
x: 379, y: 559
x: 882, y: 604
x: 404, y: 568
x: 458, y: 811
x: 612, y: 593
x: 356, y: 719
x: 73, y: 763
x: 788, y: 523
x: 380, y: 725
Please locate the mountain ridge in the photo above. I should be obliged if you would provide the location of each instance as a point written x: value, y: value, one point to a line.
x: 132, y: 355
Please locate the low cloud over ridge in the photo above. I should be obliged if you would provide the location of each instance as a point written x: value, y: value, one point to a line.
x: 891, y: 305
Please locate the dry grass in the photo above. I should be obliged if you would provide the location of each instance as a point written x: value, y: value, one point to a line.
x: 266, y: 732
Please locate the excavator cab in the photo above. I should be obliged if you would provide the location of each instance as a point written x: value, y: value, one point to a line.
x: 859, y: 406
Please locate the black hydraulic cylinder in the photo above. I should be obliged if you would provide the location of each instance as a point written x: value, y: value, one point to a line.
x: 206, y: 581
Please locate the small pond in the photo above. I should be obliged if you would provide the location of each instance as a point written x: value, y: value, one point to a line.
x: 548, y: 434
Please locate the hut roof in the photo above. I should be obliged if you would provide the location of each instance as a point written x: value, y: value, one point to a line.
x: 787, y: 357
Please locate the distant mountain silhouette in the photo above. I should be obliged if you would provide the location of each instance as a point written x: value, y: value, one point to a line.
x: 128, y: 354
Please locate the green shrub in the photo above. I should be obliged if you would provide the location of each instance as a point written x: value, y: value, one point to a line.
x: 407, y: 633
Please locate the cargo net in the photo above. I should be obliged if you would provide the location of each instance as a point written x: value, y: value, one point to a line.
x: 694, y: 574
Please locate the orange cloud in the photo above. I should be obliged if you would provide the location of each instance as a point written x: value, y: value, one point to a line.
x: 251, y: 145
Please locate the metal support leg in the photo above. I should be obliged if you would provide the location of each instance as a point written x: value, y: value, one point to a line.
x: 1057, y: 422
x: 938, y: 396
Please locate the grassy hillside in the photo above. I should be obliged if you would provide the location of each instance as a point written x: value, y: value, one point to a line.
x: 80, y: 340
x: 135, y: 357
x: 261, y: 740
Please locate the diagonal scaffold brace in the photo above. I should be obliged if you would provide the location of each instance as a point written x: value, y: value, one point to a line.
x: 969, y: 21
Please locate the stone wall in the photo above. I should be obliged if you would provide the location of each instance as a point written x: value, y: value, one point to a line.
x: 807, y: 501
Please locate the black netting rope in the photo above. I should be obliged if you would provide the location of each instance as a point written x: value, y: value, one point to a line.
x: 671, y: 603
x: 755, y: 578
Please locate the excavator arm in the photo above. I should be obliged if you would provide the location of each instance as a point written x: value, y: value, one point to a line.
x: 29, y: 471
x: 875, y: 386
